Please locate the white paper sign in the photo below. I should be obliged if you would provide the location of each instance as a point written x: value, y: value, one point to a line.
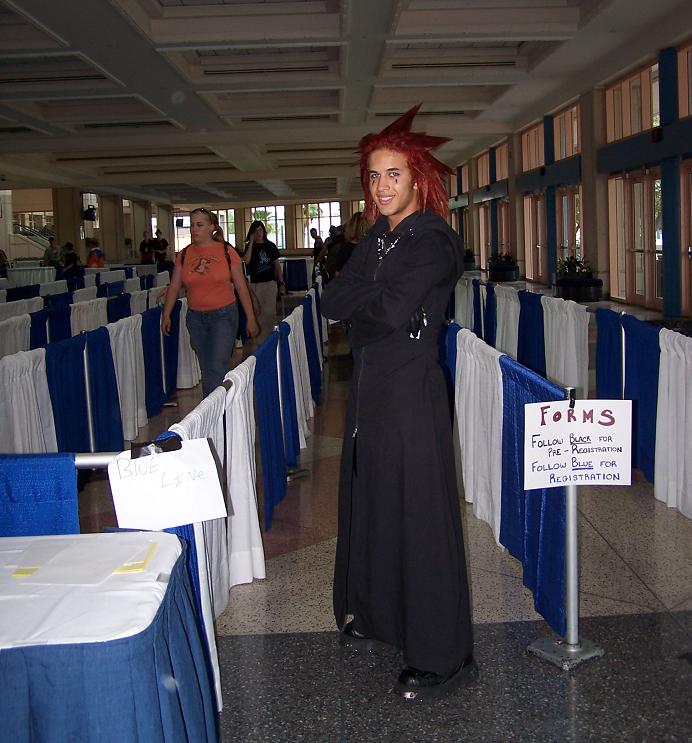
x: 590, y: 444
x: 160, y: 491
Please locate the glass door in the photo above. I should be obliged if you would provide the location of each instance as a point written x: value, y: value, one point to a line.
x: 535, y: 238
x: 484, y: 232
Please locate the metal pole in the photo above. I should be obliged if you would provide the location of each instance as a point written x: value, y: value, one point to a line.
x: 622, y: 370
x: 90, y: 422
x: 572, y: 568
x: 97, y: 460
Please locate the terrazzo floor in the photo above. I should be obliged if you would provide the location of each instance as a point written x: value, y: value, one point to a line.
x: 285, y: 677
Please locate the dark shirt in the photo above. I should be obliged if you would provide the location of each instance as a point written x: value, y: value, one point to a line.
x: 261, y: 265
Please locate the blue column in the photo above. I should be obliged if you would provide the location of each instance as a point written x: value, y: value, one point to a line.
x: 494, y: 237
x: 550, y: 205
x: 460, y: 222
x: 670, y: 186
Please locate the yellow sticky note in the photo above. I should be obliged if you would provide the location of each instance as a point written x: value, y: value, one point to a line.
x: 140, y: 565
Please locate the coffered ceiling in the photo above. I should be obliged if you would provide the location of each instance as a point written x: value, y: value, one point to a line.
x: 218, y: 101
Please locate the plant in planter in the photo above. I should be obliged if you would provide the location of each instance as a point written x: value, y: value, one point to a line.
x: 469, y: 260
x: 575, y: 281
x: 503, y: 267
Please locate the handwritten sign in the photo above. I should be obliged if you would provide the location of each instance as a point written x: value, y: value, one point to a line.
x: 160, y: 491
x: 589, y: 444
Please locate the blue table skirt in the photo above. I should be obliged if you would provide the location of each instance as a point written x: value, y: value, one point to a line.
x: 153, y: 686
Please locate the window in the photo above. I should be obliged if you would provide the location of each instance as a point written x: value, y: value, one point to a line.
x: 321, y: 215
x: 483, y: 169
x: 632, y: 104
x: 464, y: 185
x: 566, y: 133
x: 685, y: 81
x: 274, y: 221
x: 532, y: 154
x: 357, y: 206
x: 569, y: 222
x: 502, y: 161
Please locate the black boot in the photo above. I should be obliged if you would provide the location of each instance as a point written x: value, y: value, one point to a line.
x: 416, y: 684
x: 351, y: 638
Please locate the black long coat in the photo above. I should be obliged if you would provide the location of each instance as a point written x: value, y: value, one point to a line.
x: 400, y: 566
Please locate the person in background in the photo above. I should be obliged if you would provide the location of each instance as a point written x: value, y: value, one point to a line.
x: 146, y: 249
x: 4, y: 264
x: 70, y: 260
x: 400, y: 569
x: 51, y: 256
x: 161, y: 248
x: 210, y: 270
x: 261, y: 258
x: 95, y: 257
x: 354, y: 232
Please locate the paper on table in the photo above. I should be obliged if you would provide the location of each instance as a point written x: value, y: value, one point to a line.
x: 76, y: 563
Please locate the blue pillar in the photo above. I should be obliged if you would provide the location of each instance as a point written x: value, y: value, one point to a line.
x: 460, y: 222
x: 494, y: 237
x: 550, y: 205
x: 670, y: 187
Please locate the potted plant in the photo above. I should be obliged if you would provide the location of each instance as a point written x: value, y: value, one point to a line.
x: 503, y: 267
x: 469, y: 260
x: 575, y: 281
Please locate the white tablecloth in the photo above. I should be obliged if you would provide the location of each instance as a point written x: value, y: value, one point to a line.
x: 73, y: 595
x: 26, y: 276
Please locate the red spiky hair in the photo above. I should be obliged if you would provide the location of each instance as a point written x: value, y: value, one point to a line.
x: 427, y: 170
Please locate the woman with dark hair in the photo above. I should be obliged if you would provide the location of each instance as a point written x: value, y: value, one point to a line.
x: 261, y: 257
x: 400, y: 569
x: 211, y: 272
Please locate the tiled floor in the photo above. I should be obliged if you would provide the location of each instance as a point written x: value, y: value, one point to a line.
x: 285, y: 677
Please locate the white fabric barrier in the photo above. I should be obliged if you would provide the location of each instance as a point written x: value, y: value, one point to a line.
x: 89, y: 315
x: 84, y: 295
x: 90, y: 279
x: 53, y: 287
x: 673, y: 462
x: 25, y: 407
x: 25, y: 275
x: 15, y: 335
x: 4, y: 283
x: 20, y: 307
x: 301, y: 374
x: 132, y: 285
x: 507, y: 333
x: 323, y: 319
x: 566, y: 332
x: 315, y: 326
x: 162, y: 279
x: 245, y: 549
x: 189, y: 373
x: 108, y: 277
x: 138, y: 301
x: 478, y: 413
x: 146, y: 269
x: 463, y: 303
x: 128, y: 358
x: 156, y: 296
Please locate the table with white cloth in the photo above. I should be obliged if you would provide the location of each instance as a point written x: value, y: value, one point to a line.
x: 99, y: 641
x: 26, y: 276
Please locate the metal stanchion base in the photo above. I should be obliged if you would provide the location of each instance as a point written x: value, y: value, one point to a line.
x: 295, y: 472
x: 556, y: 651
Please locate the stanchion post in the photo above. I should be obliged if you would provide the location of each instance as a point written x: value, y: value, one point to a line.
x: 87, y: 387
x: 573, y: 650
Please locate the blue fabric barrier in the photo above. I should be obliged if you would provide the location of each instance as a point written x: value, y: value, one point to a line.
x: 75, y: 282
x: 531, y: 341
x: 103, y: 388
x: 146, y: 281
x: 38, y: 332
x: 242, y: 320
x: 153, y: 371
x: 642, y: 357
x: 65, y: 374
x: 118, y: 307
x: 490, y: 317
x: 57, y: 300
x: 311, y: 349
x: 296, y: 275
x: 477, y: 312
x: 115, y: 288
x: 532, y: 522
x: 38, y: 495
x: 608, y: 355
x: 288, y: 397
x: 150, y: 687
x: 59, y: 322
x: 170, y: 351
x: 448, y: 359
x: 270, y: 429
x: 22, y: 292
x: 129, y: 272
x: 101, y: 289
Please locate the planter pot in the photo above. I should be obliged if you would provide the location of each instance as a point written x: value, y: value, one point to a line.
x: 509, y: 272
x: 578, y: 287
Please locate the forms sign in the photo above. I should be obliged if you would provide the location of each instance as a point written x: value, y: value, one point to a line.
x: 588, y: 444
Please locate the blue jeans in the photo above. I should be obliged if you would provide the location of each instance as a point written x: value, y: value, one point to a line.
x: 212, y: 335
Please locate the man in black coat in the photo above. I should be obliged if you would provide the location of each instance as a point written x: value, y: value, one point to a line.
x: 400, y: 568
